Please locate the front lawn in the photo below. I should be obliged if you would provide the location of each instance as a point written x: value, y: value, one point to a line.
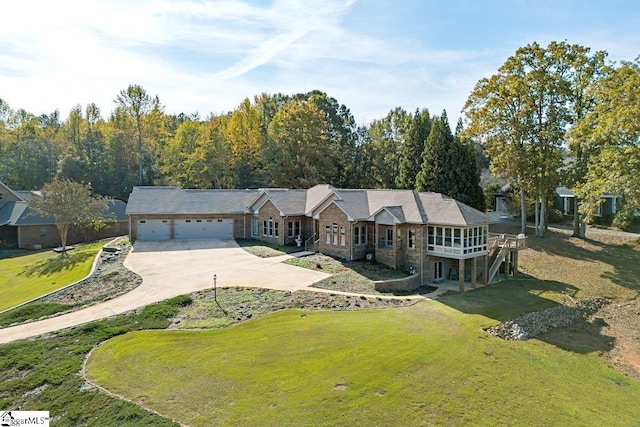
x: 27, y: 277
x: 426, y: 364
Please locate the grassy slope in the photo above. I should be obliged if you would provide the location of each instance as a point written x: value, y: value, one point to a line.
x: 43, y: 374
x: 427, y: 364
x: 584, y: 268
x: 30, y: 276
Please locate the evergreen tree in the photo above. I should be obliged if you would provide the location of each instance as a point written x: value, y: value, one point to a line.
x: 436, y: 173
x: 468, y: 174
x: 411, y: 156
x: 449, y: 166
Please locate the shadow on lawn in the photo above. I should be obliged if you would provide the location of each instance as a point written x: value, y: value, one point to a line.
x: 622, y: 257
x: 512, y: 298
x: 66, y: 261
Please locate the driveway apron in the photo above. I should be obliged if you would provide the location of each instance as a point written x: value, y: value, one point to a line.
x: 176, y: 267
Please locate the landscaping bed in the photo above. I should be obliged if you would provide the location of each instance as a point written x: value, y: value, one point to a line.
x: 348, y: 276
x: 235, y: 305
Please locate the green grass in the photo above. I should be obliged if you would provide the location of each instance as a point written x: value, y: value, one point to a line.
x: 583, y: 268
x: 266, y: 250
x: 44, y: 374
x: 30, y: 276
x: 32, y: 311
x: 427, y: 364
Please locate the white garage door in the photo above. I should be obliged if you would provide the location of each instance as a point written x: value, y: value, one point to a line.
x: 153, y: 229
x: 203, y: 228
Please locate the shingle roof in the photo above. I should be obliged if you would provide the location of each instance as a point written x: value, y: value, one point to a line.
x: 564, y: 192
x: 290, y: 202
x: 441, y: 209
x: 173, y: 200
x: 379, y: 199
x: 354, y: 203
x: 11, y: 212
x: 115, y: 211
x: 360, y: 205
x: 316, y: 194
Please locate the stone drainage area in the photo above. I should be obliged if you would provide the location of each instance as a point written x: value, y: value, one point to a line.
x: 531, y: 325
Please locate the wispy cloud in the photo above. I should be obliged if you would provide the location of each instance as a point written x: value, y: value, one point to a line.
x: 208, y: 55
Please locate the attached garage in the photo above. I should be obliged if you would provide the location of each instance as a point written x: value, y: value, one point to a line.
x: 153, y: 229
x: 217, y: 228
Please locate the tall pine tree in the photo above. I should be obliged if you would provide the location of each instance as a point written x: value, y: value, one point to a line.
x: 436, y: 173
x: 449, y: 166
x: 410, y: 158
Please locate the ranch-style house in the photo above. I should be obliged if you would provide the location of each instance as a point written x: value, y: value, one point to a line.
x: 428, y: 234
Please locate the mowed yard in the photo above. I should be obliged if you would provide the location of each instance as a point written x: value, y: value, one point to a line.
x: 26, y: 277
x: 426, y: 364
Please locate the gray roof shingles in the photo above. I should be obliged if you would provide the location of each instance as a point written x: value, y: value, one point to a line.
x: 406, y: 205
x: 173, y: 200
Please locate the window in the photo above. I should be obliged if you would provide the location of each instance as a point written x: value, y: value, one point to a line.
x: 255, y: 226
x: 327, y: 234
x: 360, y: 235
x: 342, y: 236
x: 293, y: 228
x: 265, y: 227
x: 0, y: 196
x: 411, y: 239
x: 334, y: 234
x: 43, y: 231
x: 457, y: 240
x: 275, y: 229
x: 386, y: 237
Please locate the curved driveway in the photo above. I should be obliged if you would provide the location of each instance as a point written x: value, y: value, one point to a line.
x: 177, y: 267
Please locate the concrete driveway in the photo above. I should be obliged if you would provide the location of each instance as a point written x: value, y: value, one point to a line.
x: 177, y: 267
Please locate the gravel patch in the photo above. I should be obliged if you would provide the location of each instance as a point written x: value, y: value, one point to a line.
x: 539, y: 322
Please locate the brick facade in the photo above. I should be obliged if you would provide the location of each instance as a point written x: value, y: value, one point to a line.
x: 47, y: 236
x: 268, y: 212
x: 337, y: 221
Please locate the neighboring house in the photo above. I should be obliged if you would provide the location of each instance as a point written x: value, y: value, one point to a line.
x: 21, y: 228
x: 499, y: 200
x: 565, y: 202
x: 427, y: 233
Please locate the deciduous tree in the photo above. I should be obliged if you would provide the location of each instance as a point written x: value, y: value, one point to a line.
x: 610, y: 133
x: 67, y: 203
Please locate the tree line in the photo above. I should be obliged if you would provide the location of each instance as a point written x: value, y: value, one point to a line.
x: 541, y: 104
x: 545, y: 102
x: 279, y: 140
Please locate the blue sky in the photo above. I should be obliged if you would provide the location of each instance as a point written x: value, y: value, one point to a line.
x: 207, y: 56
